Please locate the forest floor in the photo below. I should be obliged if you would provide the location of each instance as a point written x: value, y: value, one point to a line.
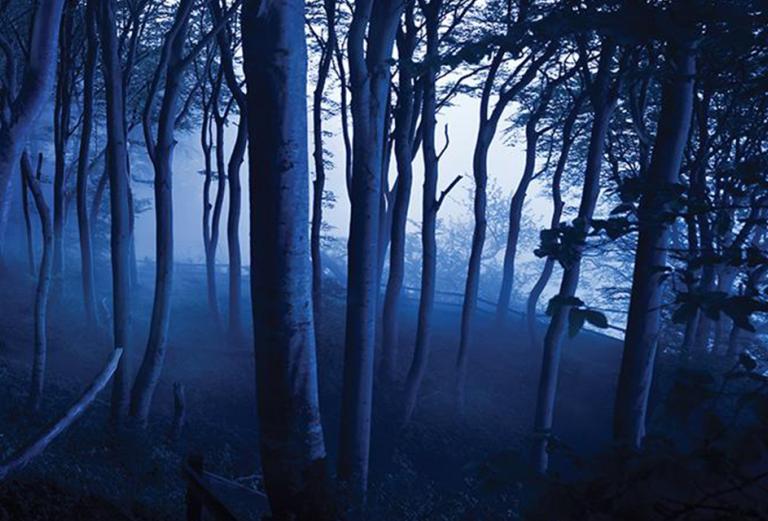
x: 435, y: 468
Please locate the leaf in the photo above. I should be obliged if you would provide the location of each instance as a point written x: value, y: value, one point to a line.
x: 596, y: 318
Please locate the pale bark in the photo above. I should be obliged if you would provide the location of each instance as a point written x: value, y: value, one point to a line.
x: 557, y: 212
x: 404, y: 115
x: 430, y: 205
x: 291, y: 435
x: 43, y: 283
x: 25, y: 107
x: 603, y: 97
x: 640, y: 341
x: 374, y: 21
x: 120, y: 228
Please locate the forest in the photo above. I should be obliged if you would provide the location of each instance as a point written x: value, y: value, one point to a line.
x: 320, y: 260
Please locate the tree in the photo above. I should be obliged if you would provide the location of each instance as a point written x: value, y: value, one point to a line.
x: 650, y: 258
x: 490, y: 115
x: 43, y: 282
x: 170, y: 71
x: 120, y: 225
x: 328, y: 49
x: 376, y: 20
x: 603, y: 93
x: 84, y: 224
x: 21, y: 102
x: 408, y: 101
x: 292, y: 446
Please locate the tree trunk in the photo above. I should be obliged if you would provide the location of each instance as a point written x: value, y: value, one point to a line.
x: 292, y: 446
x: 233, y: 230
x: 32, y: 95
x: 406, y: 42
x: 472, y: 287
x: 515, y: 218
x: 429, y: 203
x: 640, y: 341
x: 84, y: 227
x: 61, y: 130
x: 27, y: 223
x: 318, y: 156
x: 43, y: 284
x: 120, y: 233
x: 557, y: 212
x: 148, y: 375
x: 369, y: 69
x: 603, y: 102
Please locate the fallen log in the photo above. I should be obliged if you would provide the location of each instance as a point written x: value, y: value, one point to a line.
x: 36, y: 447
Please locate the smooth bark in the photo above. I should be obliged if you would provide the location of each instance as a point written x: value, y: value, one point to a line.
x: 404, y: 115
x: 603, y: 96
x: 32, y: 95
x: 43, y: 283
x: 120, y: 228
x: 291, y: 435
x: 640, y: 341
x: 374, y: 21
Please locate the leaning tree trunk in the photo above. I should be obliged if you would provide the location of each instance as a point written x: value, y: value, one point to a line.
x: 486, y: 131
x: 84, y: 226
x: 370, y: 75
x: 603, y: 102
x: 120, y: 228
x: 43, y: 283
x: 557, y: 212
x: 235, y: 327
x: 32, y: 95
x: 641, y: 338
x: 161, y: 153
x: 430, y: 206
x: 406, y: 43
x: 515, y: 221
x: 292, y: 446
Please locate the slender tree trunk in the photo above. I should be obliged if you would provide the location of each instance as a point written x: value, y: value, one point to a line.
x: 406, y: 42
x: 319, y: 157
x: 43, y: 284
x: 206, y: 145
x: 32, y: 95
x: 557, y: 212
x: 486, y: 131
x: 148, y: 375
x: 603, y: 102
x: 120, y: 236
x: 235, y: 328
x: 292, y: 446
x: 27, y: 223
x: 429, y: 202
x: 233, y: 230
x: 472, y: 287
x: 221, y: 184
x: 369, y: 69
x: 515, y: 221
x: 640, y: 341
x: 84, y: 227
x: 61, y: 128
